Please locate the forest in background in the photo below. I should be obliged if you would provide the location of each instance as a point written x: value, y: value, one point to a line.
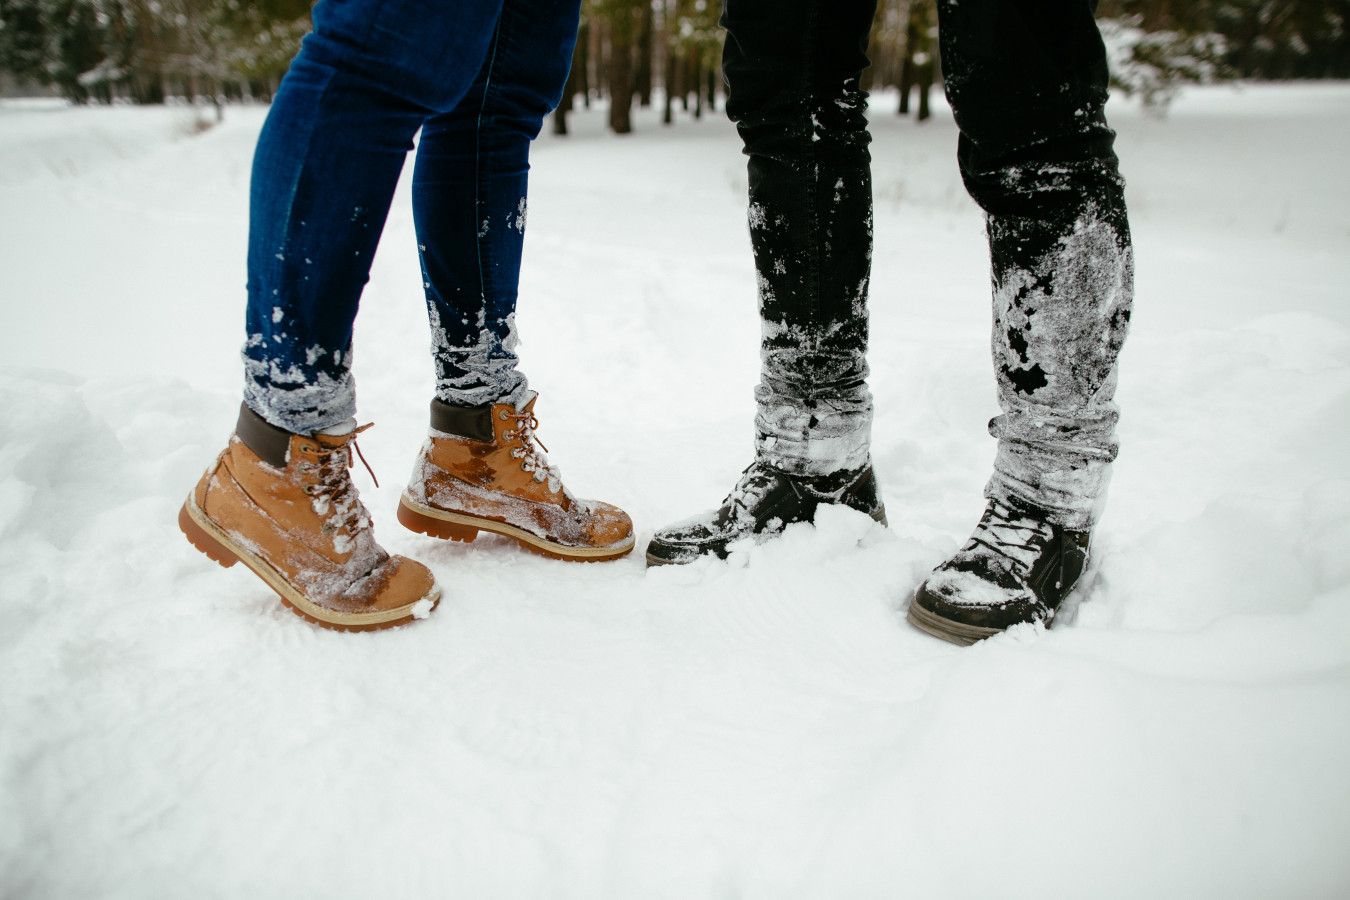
x: 630, y: 52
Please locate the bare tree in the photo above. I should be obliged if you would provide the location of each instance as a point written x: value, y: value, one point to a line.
x: 920, y: 56
x: 575, y: 78
x: 646, y: 43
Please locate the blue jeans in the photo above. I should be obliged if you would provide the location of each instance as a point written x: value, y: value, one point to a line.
x: 477, y: 78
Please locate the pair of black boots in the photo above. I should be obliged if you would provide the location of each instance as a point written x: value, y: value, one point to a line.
x: 1017, y: 567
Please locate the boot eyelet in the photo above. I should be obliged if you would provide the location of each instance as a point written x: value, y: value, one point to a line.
x: 326, y: 528
x: 503, y: 415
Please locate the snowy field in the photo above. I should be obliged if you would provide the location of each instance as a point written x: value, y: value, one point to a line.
x: 766, y: 727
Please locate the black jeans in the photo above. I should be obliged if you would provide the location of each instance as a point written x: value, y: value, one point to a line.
x: 1027, y: 82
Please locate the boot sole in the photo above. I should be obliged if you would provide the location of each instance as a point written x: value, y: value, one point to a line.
x: 203, y: 534
x: 719, y: 549
x: 965, y: 635
x: 653, y: 561
x: 440, y: 523
x: 946, y: 629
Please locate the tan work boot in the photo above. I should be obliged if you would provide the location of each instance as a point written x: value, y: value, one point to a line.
x: 480, y: 470
x: 284, y: 505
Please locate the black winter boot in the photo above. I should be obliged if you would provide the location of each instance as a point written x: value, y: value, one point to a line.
x: 1015, y: 568
x: 763, y: 502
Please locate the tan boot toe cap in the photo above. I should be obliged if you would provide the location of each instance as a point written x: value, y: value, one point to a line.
x: 398, y: 585
x: 608, y: 525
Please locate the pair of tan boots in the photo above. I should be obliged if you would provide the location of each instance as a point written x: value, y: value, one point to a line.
x: 285, y: 506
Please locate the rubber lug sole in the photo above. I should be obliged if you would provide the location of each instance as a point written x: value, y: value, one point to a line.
x: 440, y: 523
x: 218, y: 547
x: 959, y: 633
x: 946, y: 629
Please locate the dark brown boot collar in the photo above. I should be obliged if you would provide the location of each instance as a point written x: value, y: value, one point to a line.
x: 269, y: 442
x: 472, y: 422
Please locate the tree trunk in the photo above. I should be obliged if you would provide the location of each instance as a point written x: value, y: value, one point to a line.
x: 925, y: 84
x: 874, y: 47
x: 646, y: 39
x: 602, y: 48
x: 566, y: 104
x: 583, y: 64
x: 906, y: 84
x: 672, y: 66
x: 684, y: 84
x: 620, y: 80
x: 690, y: 85
x: 920, y: 55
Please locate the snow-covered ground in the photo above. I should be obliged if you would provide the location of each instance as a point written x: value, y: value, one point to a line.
x: 766, y: 727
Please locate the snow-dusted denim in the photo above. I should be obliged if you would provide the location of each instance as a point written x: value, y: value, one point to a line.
x: 792, y: 67
x: 478, y: 78
x: 1027, y: 83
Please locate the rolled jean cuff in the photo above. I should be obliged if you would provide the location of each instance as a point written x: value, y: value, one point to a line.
x: 515, y: 391
x: 813, y: 438
x: 304, y: 408
x: 1069, y: 488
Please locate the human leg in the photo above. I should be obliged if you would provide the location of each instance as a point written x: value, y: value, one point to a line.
x: 1037, y: 155
x: 470, y: 200
x: 1028, y: 84
x: 280, y: 498
x: 792, y: 70
x: 324, y: 173
x: 793, y: 73
x: 482, y: 467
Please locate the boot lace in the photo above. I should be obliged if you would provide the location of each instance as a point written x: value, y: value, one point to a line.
x: 1019, y: 539
x: 749, y: 490
x: 531, y: 460
x: 331, y: 491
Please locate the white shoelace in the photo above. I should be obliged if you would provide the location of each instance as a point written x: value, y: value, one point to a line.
x: 1020, y: 539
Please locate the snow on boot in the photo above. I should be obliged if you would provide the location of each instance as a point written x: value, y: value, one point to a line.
x: 481, y: 469
x: 284, y: 505
x: 1015, y: 568
x: 763, y: 502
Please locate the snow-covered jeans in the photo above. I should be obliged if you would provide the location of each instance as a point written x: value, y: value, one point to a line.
x: 1027, y: 82
x: 477, y: 78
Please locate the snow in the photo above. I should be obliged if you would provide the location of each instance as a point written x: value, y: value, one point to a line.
x: 764, y: 727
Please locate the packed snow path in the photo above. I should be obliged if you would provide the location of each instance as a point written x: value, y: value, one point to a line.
x: 765, y: 727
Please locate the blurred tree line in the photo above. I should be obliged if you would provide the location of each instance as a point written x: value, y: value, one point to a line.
x: 146, y: 51
x: 636, y: 51
x: 640, y: 52
x: 631, y: 51
x: 1260, y: 39
x: 1156, y: 45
